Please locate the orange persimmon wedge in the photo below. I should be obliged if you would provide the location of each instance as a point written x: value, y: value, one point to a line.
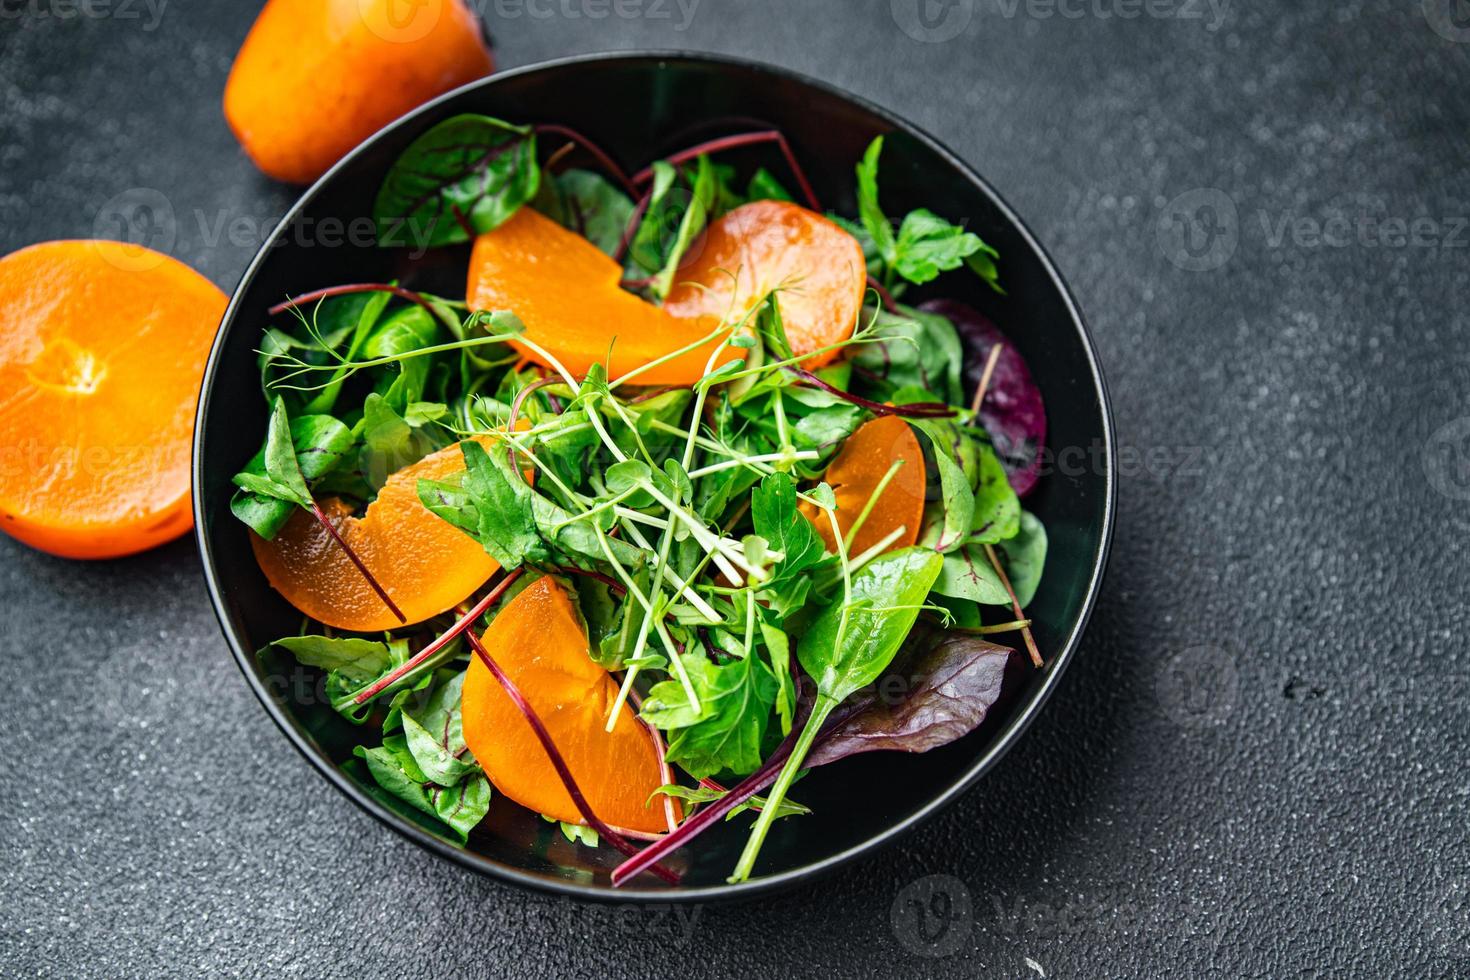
x: 567, y: 293
x: 101, y: 354
x: 539, y: 642
x: 315, y: 78
x: 424, y: 563
x: 818, y: 267
x: 854, y: 475
x: 565, y: 290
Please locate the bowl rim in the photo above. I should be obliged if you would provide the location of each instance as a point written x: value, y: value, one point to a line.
x: 1002, y: 742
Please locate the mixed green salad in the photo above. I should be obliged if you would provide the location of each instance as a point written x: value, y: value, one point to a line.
x: 800, y: 551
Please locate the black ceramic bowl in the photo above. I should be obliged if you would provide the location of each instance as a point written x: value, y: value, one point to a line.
x: 641, y: 107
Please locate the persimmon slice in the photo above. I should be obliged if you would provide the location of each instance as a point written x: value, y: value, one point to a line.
x: 539, y: 642
x: 566, y: 291
x: 101, y: 354
x: 315, y: 78
x: 855, y: 474
x: 818, y: 267
x: 423, y: 562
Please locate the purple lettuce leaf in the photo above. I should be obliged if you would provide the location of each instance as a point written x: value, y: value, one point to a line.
x: 1013, y: 412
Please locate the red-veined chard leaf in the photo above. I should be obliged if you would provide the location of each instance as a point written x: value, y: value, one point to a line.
x: 469, y: 173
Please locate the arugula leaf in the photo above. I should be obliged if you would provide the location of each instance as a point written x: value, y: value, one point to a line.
x: 506, y: 525
x: 705, y: 794
x: 774, y: 512
x: 765, y: 187
x: 480, y: 167
x: 1025, y: 556
x: 320, y: 443
x: 701, y: 201
x: 875, y: 222
x: 646, y: 251
x: 460, y: 808
x: 726, y: 734
x: 928, y: 245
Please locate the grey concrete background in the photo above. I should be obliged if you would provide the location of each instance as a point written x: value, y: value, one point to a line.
x: 1257, y: 766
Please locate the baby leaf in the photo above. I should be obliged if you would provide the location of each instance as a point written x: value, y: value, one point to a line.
x: 471, y: 169
x: 735, y: 707
x: 914, y: 349
x: 505, y: 506
x: 705, y: 794
x: 393, y: 768
x: 1025, y: 556
x: 435, y: 732
x: 997, y: 508
x: 353, y: 665
x: 947, y: 690
x: 850, y: 645
x: 320, y: 442
x: 592, y: 206
x: 968, y: 574
x: 875, y: 222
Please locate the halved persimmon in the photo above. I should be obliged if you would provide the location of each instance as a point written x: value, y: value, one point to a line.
x: 101, y: 354
x: 566, y: 291
x: 818, y: 268
x: 424, y: 563
x: 855, y: 474
x: 539, y: 642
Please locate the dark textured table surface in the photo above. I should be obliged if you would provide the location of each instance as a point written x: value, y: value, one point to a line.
x: 1256, y: 766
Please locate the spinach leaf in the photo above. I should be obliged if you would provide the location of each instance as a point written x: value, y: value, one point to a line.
x: 726, y: 734
x: 1025, y: 556
x: 394, y: 769
x: 848, y: 647
x: 469, y: 168
x: 647, y: 250
x: 850, y: 644
x: 504, y: 506
x: 947, y: 522
x: 369, y: 313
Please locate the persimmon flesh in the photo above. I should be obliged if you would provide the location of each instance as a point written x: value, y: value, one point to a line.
x: 568, y: 294
x: 425, y: 564
x: 855, y: 474
x: 539, y: 642
x: 566, y: 291
x: 101, y: 353
x: 817, y: 269
x: 315, y: 78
